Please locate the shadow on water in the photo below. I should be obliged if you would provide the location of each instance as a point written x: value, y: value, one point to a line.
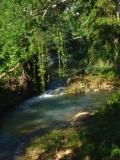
x: 40, y: 115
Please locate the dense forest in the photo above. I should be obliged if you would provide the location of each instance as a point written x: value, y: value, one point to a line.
x: 35, y: 35
x: 75, y: 41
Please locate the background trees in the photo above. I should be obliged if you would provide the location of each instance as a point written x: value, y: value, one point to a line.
x: 37, y: 35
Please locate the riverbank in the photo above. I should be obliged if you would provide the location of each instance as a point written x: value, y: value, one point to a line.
x: 78, y: 84
x: 91, y: 83
x: 87, y: 137
x: 9, y: 99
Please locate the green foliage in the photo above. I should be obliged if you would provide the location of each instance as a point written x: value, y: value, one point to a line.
x: 52, y: 143
x: 37, y: 32
x: 115, y: 98
x: 71, y: 139
x: 115, y: 153
x: 25, y: 33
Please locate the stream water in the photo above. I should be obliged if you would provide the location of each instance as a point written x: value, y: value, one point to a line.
x: 39, y: 114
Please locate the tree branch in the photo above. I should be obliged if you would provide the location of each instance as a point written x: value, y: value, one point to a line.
x: 52, y: 7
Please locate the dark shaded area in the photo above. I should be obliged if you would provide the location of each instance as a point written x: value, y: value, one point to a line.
x: 9, y: 100
x: 100, y: 135
x: 18, y: 144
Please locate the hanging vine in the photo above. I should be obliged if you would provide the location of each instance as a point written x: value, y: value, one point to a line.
x: 40, y: 44
x: 62, y: 57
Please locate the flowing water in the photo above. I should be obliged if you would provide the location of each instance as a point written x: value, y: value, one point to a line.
x: 39, y: 114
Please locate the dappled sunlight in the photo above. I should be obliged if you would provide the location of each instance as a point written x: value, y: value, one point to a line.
x: 60, y: 154
x: 59, y: 66
x: 55, y: 145
x: 81, y: 114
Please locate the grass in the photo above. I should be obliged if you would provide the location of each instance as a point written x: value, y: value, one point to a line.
x: 55, y: 143
x: 76, y: 87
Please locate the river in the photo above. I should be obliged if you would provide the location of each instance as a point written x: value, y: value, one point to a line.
x: 40, y: 114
